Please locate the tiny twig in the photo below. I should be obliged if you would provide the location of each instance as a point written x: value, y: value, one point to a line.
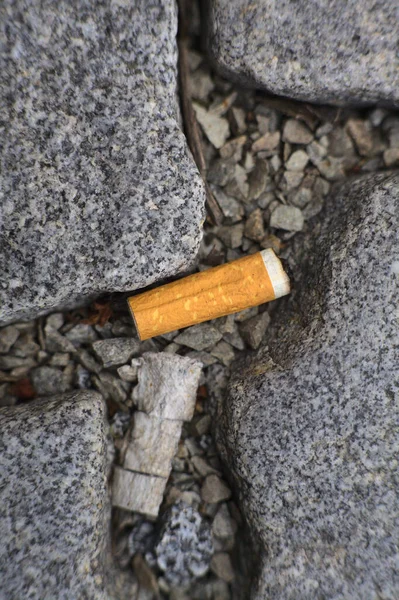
x: 190, y: 121
x: 309, y: 113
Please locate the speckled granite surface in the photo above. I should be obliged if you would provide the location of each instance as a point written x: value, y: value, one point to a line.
x: 332, y: 51
x: 98, y: 192
x: 54, y: 507
x: 310, y: 430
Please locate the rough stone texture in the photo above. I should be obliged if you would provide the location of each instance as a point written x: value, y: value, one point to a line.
x: 185, y: 547
x: 98, y: 191
x: 54, y: 506
x: 116, y: 351
x: 310, y: 427
x: 333, y: 51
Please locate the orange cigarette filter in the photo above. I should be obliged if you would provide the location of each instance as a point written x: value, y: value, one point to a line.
x: 217, y: 292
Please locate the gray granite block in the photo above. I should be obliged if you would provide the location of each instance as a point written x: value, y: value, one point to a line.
x: 310, y: 427
x: 98, y: 190
x: 330, y: 51
x: 54, y: 506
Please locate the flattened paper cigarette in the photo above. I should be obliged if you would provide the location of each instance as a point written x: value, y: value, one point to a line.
x: 217, y: 292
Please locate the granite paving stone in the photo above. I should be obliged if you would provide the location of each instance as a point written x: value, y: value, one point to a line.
x: 98, y: 190
x: 330, y: 51
x: 54, y: 507
x: 309, y: 428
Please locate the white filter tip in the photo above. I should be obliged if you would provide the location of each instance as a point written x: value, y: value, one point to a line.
x: 278, y: 277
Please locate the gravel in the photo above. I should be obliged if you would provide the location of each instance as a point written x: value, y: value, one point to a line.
x: 222, y: 567
x: 254, y: 228
x: 215, y: 128
x: 214, y: 490
x: 224, y: 526
x: 254, y: 329
x: 8, y: 337
x: 268, y: 142
x: 48, y: 381
x: 286, y: 217
x: 258, y: 179
x: 199, y: 337
x: 224, y: 353
x: 116, y: 351
x: 297, y: 161
x: 296, y: 132
x: 231, y: 236
x: 360, y: 131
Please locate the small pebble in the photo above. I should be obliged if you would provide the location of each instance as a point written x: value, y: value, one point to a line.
x: 268, y: 141
x: 8, y: 362
x: 220, y: 107
x: 25, y: 345
x: 199, y: 337
x: 234, y: 148
x: 200, y: 425
x: 224, y: 526
x: 331, y: 168
x: 254, y: 329
x: 254, y: 228
x: 201, y: 84
x: 8, y: 337
x: 273, y: 242
x: 81, y: 334
x: 172, y: 348
x: 214, y: 490
x: 82, y: 378
x: 116, y: 351
x: 297, y: 161
x: 110, y: 387
x: 232, y: 209
x: 59, y: 359
x: 222, y: 567
x: 203, y: 357
x: 258, y: 178
x: 289, y: 218
x: 202, y: 466
x: 231, y: 236
x: 302, y: 197
x: 128, y: 373
x: 55, y: 320
x: 246, y: 314
x: 275, y: 163
x: 87, y: 361
x: 316, y: 151
x: 48, y: 381
x: 292, y: 179
x: 237, y: 120
x: 391, y: 157
x: 221, y: 172
x: 56, y: 342
x: 360, y: 132
x: 339, y: 144
x: 296, y: 132
x: 216, y: 128
x: 224, y: 352
x: 238, y: 187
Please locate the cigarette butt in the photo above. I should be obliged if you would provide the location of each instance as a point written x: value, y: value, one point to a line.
x: 217, y: 292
